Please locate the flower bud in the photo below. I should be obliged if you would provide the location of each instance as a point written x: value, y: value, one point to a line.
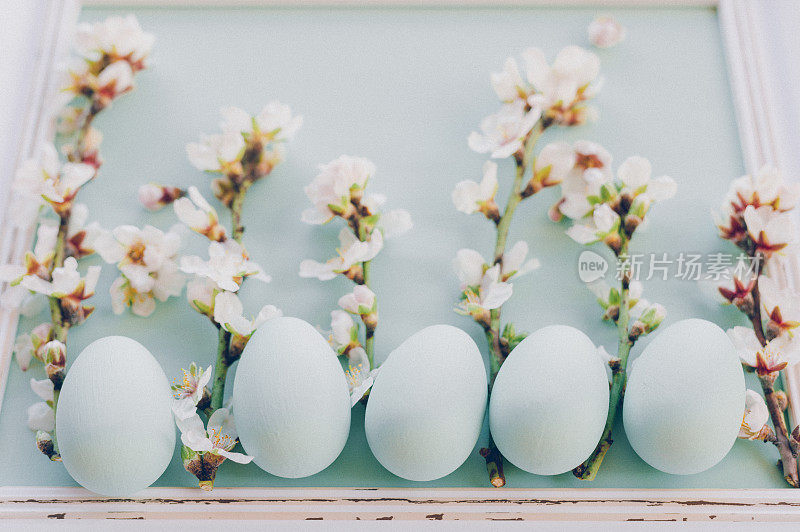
x: 637, y: 329
x: 54, y: 355
x: 631, y: 223
x: 613, y: 241
x: 355, y: 273
x: 491, y: 211
x: 153, y: 197
x: 370, y: 320
x: 44, y: 442
x: 223, y: 190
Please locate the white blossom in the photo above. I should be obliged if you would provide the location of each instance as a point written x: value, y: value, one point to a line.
x: 199, y: 215
x: 81, y: 238
x: 582, y: 169
x: 344, y: 332
x: 27, y: 345
x: 350, y: 253
x: 331, y: 191
x: 605, y: 32
x: 146, y: 258
x: 469, y: 267
x: 604, y: 222
x: 228, y: 312
x: 490, y: 294
x: 200, y: 293
x: 560, y: 88
x: 781, y: 304
x: 274, y: 120
x: 41, y: 417
x: 115, y: 37
x: 188, y: 390
x: 776, y: 355
x: 43, y: 388
x: 514, y: 263
x: 766, y: 187
x: 508, y: 83
x: 115, y: 79
x: 470, y: 197
x: 771, y: 230
x: 635, y: 173
x: 227, y: 265
x: 66, y: 281
x: 359, y: 377
x: 214, y: 153
x: 360, y: 301
x: 502, y: 134
x: 219, y: 437
x: 756, y: 415
x: 48, y: 179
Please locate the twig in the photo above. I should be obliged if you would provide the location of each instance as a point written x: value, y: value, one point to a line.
x: 619, y: 378
x: 492, y: 455
x: 787, y: 452
x: 223, y: 360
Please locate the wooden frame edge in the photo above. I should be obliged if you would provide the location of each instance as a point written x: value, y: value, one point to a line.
x: 754, y: 116
x: 488, y: 504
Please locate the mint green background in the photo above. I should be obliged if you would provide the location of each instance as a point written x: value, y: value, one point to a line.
x: 405, y: 87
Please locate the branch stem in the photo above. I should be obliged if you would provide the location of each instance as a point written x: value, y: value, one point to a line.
x: 619, y: 377
x: 223, y: 360
x: 220, y: 369
x: 492, y: 455
x: 786, y: 451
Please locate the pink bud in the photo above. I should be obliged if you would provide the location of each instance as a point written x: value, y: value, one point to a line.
x: 153, y: 197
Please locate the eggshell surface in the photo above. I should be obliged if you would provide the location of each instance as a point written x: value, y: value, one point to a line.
x: 427, y: 405
x: 549, y: 401
x: 114, y: 423
x: 291, y: 400
x: 685, y: 398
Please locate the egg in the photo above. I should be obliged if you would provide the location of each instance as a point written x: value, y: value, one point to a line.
x: 427, y: 405
x: 291, y: 399
x: 549, y: 401
x: 685, y: 398
x: 114, y: 423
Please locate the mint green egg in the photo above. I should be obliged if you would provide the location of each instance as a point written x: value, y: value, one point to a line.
x: 426, y: 408
x: 549, y: 401
x: 291, y: 399
x: 114, y: 424
x: 685, y: 398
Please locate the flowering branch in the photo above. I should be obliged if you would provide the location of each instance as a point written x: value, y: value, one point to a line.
x: 614, y: 209
x: 546, y: 97
x: 246, y: 151
x: 111, y: 53
x: 339, y: 191
x: 756, y: 218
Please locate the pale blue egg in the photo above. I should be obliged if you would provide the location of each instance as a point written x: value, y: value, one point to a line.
x: 291, y: 399
x: 549, y: 401
x: 685, y: 398
x: 427, y: 405
x: 114, y: 423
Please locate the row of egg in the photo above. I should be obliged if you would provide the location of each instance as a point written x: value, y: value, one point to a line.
x: 682, y: 409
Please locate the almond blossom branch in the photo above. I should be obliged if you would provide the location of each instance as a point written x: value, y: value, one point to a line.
x: 339, y: 191
x: 549, y: 95
x: 246, y: 151
x: 111, y: 52
x: 756, y: 218
x: 610, y: 210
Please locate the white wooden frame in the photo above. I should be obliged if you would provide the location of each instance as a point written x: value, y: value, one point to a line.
x: 755, y: 114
